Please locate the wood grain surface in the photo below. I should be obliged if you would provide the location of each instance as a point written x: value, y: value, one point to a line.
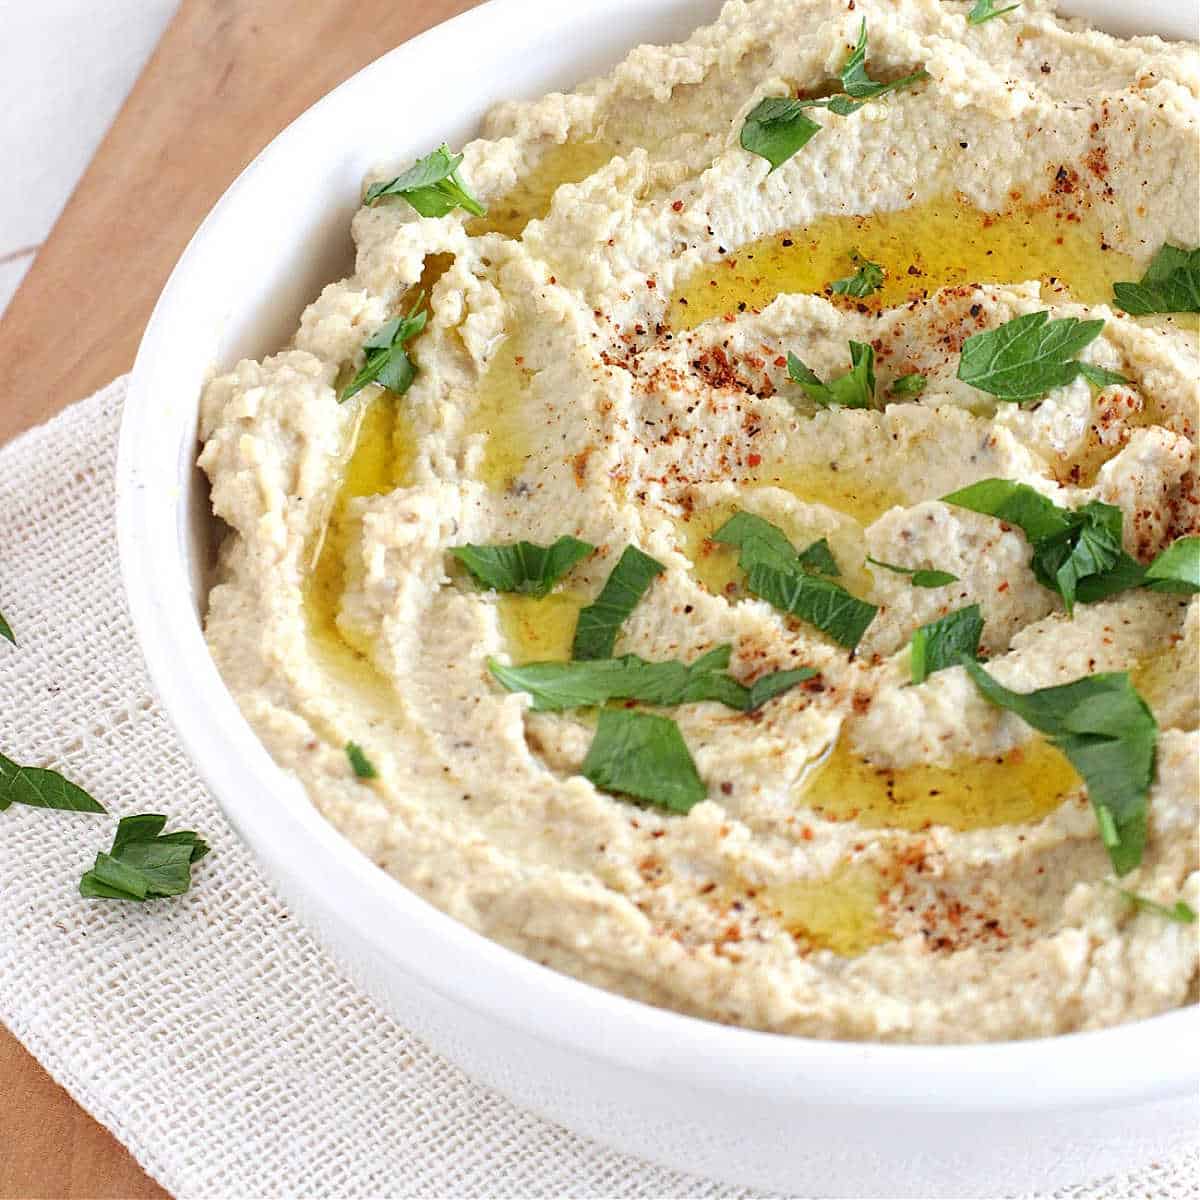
x: 226, y: 77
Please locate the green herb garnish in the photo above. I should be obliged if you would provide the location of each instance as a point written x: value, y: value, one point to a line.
x: 1180, y: 912
x: 555, y: 685
x: 760, y: 542
x: 359, y: 762
x: 387, y: 362
x: 142, y: 865
x: 1076, y: 552
x: 1177, y: 568
x: 6, y: 630
x: 1026, y: 357
x: 1089, y: 548
x: 776, y: 128
x: 908, y: 385
x: 431, y: 185
x: 1109, y: 734
x: 857, y: 83
x: 522, y: 567
x: 1101, y: 377
x: 820, y: 602
x: 922, y: 578
x: 855, y: 389
x: 775, y: 572
x: 599, y: 623
x: 818, y: 559
x: 641, y: 755
x: 943, y: 643
x: 985, y: 10
x: 39, y: 787
x: 868, y: 278
x: 1171, y: 284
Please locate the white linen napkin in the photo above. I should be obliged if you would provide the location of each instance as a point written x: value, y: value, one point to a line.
x: 210, y: 1033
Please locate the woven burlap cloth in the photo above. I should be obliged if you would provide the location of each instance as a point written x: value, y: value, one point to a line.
x: 210, y: 1033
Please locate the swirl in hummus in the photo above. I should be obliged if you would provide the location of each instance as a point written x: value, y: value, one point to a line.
x: 606, y: 358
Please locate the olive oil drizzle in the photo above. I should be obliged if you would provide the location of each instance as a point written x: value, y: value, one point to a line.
x: 380, y: 458
x: 936, y: 244
x: 530, y: 199
x: 838, y: 912
x: 1020, y: 787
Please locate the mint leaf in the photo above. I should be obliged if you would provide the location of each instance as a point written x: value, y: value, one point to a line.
x: 1177, y: 568
x: 1127, y: 573
x: 1089, y: 547
x: 599, y: 623
x: 555, y: 686
x: 1170, y: 284
x: 908, y: 385
x: 644, y: 756
x: 38, y: 787
x: 761, y: 542
x: 768, y: 687
x: 818, y: 559
x: 777, y: 574
x: 359, y: 762
x: 1109, y: 734
x: 922, y: 578
x: 431, y: 185
x: 1026, y: 357
x: 1180, y: 912
x: 820, y: 602
x: 777, y: 128
x: 522, y: 567
x: 1101, y: 377
x: 943, y: 643
x: 144, y: 863
x: 866, y: 280
x: 985, y: 10
x: 1076, y: 552
x: 387, y: 363
x: 758, y: 541
x: 857, y: 83
x: 855, y: 389
x: 6, y: 630
x: 1014, y: 504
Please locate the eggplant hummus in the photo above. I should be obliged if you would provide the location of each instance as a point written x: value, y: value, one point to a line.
x: 733, y: 537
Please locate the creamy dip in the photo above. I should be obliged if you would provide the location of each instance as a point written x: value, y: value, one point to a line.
x: 606, y: 357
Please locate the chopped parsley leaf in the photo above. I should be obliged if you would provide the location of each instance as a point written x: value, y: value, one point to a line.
x: 144, y: 863
x: 985, y: 10
x: 387, y: 363
x: 431, y: 185
x: 359, y: 762
x: 855, y: 389
x: 866, y: 280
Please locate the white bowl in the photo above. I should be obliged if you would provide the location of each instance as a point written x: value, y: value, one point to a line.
x: 751, y: 1108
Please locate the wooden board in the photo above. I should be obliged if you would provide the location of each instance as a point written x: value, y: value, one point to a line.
x: 226, y: 77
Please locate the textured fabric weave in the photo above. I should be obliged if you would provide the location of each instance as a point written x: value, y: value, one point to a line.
x: 210, y: 1033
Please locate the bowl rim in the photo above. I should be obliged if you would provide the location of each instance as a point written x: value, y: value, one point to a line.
x: 1130, y: 1063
